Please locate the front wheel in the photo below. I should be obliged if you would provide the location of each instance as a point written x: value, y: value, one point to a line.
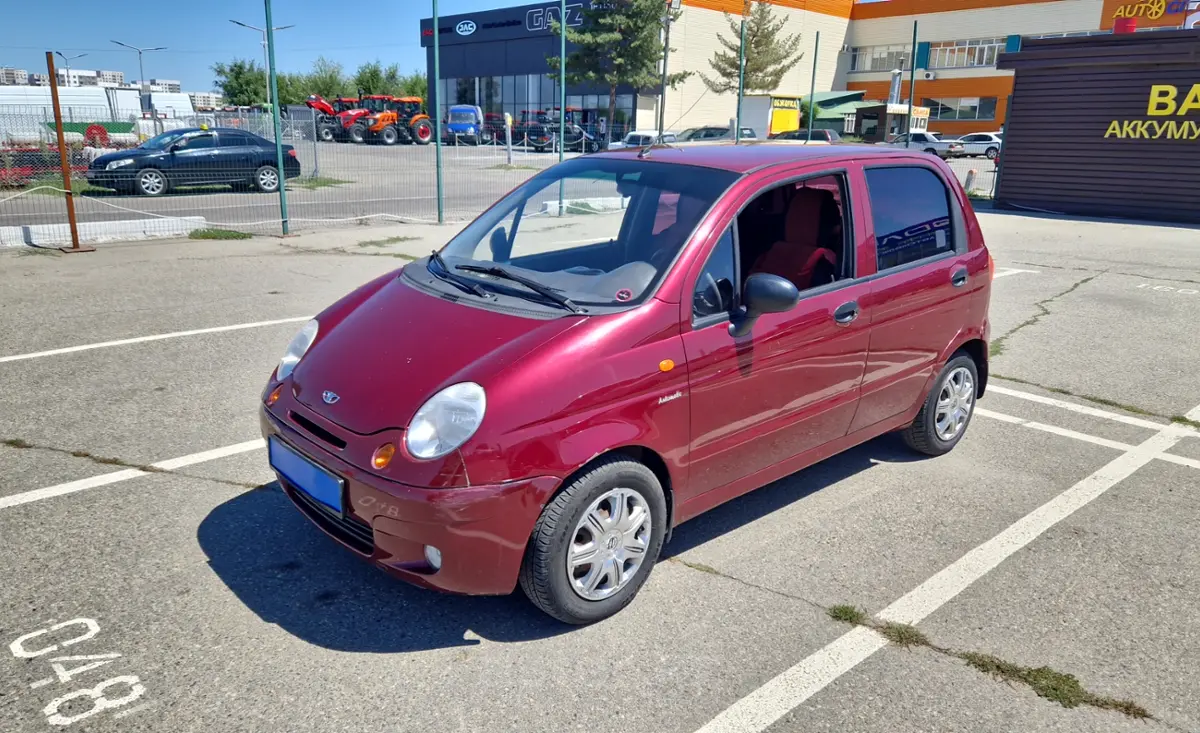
x: 389, y: 136
x: 357, y: 133
x: 596, y: 542
x: 151, y: 182
x: 325, y: 133
x: 947, y: 411
x: 266, y: 179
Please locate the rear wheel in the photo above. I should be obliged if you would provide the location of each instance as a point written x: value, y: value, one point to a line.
x: 947, y: 411
x: 266, y: 179
x: 596, y: 542
x: 422, y: 132
x: 931, y: 151
x: 992, y: 153
x: 358, y: 133
x: 151, y: 182
x: 389, y: 136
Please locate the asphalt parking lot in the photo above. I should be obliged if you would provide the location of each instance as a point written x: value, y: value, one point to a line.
x: 156, y: 578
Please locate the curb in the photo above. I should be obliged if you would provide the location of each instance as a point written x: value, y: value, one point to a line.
x: 125, y: 230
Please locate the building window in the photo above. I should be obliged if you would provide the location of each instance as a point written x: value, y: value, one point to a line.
x: 965, y: 54
x: 961, y: 108
x: 880, y: 58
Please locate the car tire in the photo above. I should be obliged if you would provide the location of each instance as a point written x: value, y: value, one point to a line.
x: 992, y: 153
x: 545, y: 577
x: 953, y: 396
x: 389, y: 136
x: 358, y: 133
x: 151, y: 182
x: 266, y: 179
x: 931, y: 151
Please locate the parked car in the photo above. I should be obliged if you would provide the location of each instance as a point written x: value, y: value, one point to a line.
x: 519, y: 410
x: 465, y: 123
x: 982, y: 143
x: 642, y: 138
x: 928, y: 142
x: 715, y: 134
x: 542, y: 137
x: 194, y: 157
x: 826, y: 136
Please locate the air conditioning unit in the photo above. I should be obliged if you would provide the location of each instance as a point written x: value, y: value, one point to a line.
x: 928, y: 76
x: 846, y: 49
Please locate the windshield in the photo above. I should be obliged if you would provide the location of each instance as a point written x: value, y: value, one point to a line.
x: 161, y: 141
x: 373, y: 105
x: 465, y: 116
x: 621, y: 225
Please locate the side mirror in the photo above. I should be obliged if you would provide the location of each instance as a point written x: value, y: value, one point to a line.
x: 501, y: 247
x: 764, y: 294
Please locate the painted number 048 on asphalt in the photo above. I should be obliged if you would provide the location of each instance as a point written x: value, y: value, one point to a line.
x: 111, y: 693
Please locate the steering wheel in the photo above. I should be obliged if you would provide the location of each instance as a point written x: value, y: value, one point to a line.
x: 707, y: 299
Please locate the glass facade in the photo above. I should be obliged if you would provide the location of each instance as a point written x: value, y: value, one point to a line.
x: 530, y: 94
x: 965, y: 54
x: 880, y: 58
x: 961, y: 108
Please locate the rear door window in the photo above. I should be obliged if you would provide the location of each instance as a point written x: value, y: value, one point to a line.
x: 910, y: 207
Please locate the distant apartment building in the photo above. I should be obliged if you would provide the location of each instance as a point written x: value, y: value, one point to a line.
x: 78, y: 78
x: 39, y: 80
x: 205, y: 99
x: 111, y: 78
x: 13, y: 77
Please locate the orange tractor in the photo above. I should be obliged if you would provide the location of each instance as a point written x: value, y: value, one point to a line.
x: 401, y: 120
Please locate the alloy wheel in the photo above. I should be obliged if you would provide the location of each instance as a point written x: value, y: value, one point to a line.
x: 954, y: 404
x: 152, y: 183
x: 268, y: 179
x: 609, y: 544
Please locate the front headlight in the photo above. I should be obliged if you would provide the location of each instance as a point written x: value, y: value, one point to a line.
x: 446, y: 421
x: 299, y: 344
x: 118, y: 164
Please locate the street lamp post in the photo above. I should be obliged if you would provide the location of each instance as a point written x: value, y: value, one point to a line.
x: 67, y: 62
x: 142, y: 69
x: 263, y: 31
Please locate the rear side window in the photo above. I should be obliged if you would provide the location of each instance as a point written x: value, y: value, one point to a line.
x: 235, y: 139
x: 910, y: 207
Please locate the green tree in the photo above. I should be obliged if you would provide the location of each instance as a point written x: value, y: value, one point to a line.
x: 413, y: 85
x: 369, y: 79
x: 241, y: 82
x: 327, y: 79
x: 768, y: 54
x: 619, y: 43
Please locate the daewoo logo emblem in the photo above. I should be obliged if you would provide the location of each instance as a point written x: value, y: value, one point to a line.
x: 465, y: 28
x: 330, y: 397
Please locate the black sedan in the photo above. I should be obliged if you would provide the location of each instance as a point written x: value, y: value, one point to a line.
x: 194, y: 157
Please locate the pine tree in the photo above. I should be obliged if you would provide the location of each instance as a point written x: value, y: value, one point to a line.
x: 619, y: 43
x: 768, y: 55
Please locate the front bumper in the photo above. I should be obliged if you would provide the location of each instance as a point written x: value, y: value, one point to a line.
x: 481, y: 531
x: 116, y: 178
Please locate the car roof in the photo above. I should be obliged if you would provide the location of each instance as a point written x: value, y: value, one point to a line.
x: 211, y: 129
x: 745, y: 158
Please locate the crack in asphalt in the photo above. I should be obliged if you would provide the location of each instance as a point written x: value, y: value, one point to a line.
x: 1109, y: 271
x: 701, y: 567
x: 19, y: 444
x: 1133, y: 409
x: 997, y: 347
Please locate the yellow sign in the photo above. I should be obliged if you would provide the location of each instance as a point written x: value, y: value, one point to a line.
x: 1148, y: 13
x: 1165, y: 100
x: 785, y: 103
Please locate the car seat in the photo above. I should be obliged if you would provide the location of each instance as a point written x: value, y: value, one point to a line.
x: 800, y: 256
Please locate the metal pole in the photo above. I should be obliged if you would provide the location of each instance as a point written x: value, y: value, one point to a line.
x: 662, y: 99
x: 912, y: 86
x: 562, y: 96
x: 272, y: 83
x: 437, y: 116
x: 812, y: 86
x: 62, y: 157
x: 266, y: 62
x: 737, y: 133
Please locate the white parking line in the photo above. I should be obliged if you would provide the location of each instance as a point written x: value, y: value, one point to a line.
x: 106, y: 479
x: 156, y: 337
x: 1006, y: 271
x: 760, y: 709
x: 1082, y: 409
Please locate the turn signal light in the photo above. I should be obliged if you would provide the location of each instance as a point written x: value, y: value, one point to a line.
x: 383, y: 456
x: 274, y: 396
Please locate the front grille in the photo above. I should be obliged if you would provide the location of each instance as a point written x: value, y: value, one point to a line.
x: 317, y: 430
x: 358, y: 535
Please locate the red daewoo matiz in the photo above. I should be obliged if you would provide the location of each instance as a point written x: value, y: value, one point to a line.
x: 623, y: 342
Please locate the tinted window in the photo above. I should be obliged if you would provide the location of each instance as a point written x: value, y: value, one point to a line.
x: 911, y: 211
x: 199, y: 142
x: 234, y: 139
x: 714, y: 287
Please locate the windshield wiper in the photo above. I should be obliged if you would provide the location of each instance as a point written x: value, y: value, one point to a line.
x: 446, y: 276
x: 542, y: 290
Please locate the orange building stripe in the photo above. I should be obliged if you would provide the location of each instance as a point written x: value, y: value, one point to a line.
x: 893, y: 8
x: 836, y: 8
x: 1000, y: 87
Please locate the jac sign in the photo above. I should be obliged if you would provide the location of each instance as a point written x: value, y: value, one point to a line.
x: 1165, y: 101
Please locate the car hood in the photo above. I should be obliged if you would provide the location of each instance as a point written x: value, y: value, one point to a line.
x: 135, y: 153
x: 401, y: 346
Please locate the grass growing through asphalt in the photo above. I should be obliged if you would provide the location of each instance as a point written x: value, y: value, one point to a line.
x: 581, y: 208
x: 512, y: 167
x: 312, y: 184
x: 1177, y: 419
x: 78, y: 186
x: 385, y: 242
x: 211, y: 233
x: 1060, y: 687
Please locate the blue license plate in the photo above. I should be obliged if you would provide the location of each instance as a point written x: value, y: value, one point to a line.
x: 306, y: 475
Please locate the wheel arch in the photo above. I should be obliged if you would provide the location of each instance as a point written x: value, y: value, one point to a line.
x: 977, y: 349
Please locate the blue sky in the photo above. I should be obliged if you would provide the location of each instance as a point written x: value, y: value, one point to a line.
x: 198, y: 34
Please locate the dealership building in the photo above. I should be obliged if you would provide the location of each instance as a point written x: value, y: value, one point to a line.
x: 497, y: 58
